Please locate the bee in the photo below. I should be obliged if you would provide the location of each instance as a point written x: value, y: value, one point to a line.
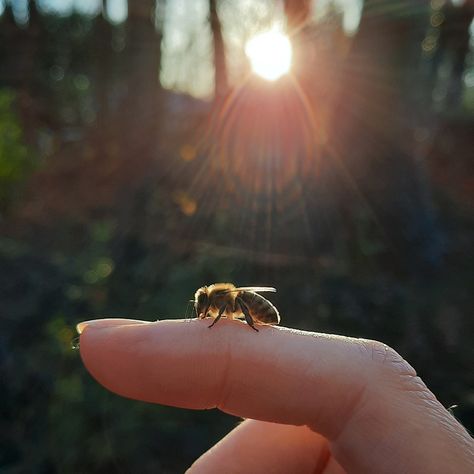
x: 226, y: 299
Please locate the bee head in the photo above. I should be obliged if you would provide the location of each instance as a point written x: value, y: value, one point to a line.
x: 201, y: 302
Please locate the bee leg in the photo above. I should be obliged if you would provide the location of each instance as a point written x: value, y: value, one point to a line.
x: 221, y: 312
x: 204, y: 313
x: 246, y: 312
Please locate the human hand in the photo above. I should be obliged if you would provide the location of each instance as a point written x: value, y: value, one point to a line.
x: 324, y: 404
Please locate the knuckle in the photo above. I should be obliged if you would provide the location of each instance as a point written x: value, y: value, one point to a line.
x: 390, y: 367
x: 386, y: 360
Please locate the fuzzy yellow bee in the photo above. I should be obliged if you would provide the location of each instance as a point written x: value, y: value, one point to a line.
x: 225, y: 299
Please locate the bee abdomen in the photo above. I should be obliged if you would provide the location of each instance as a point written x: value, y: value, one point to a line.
x: 260, y: 308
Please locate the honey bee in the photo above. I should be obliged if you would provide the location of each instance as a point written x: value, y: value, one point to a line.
x: 244, y: 302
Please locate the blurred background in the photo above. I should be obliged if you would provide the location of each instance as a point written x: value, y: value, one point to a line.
x: 143, y: 155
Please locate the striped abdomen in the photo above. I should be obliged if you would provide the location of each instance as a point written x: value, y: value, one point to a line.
x: 260, y: 308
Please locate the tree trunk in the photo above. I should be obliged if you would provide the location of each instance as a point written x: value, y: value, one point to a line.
x: 220, y: 67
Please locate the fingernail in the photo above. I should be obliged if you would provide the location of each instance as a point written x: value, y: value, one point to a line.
x: 106, y: 323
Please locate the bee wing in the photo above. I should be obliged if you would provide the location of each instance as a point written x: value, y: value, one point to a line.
x: 258, y: 289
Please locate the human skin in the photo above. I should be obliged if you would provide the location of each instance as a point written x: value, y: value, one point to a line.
x: 313, y: 403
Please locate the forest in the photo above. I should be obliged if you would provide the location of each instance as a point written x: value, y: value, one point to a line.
x: 142, y: 158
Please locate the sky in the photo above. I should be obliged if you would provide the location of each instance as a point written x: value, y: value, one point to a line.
x: 187, y: 42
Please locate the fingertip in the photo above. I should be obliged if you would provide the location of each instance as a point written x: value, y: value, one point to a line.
x: 106, y: 323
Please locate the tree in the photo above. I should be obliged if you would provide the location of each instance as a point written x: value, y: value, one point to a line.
x: 220, y: 68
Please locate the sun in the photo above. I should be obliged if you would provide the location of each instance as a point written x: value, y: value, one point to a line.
x: 270, y: 54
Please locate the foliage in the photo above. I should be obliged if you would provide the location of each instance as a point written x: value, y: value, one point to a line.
x: 139, y: 200
x: 16, y: 162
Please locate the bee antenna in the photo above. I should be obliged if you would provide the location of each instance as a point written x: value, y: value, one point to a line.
x: 190, y: 313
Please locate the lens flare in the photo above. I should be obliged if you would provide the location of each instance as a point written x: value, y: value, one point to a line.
x: 270, y: 54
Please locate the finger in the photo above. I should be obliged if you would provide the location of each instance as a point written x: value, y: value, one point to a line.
x: 273, y: 375
x: 261, y: 447
x: 359, y: 394
x: 333, y: 467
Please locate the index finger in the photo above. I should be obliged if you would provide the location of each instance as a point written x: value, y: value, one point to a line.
x: 354, y: 392
x: 272, y: 375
